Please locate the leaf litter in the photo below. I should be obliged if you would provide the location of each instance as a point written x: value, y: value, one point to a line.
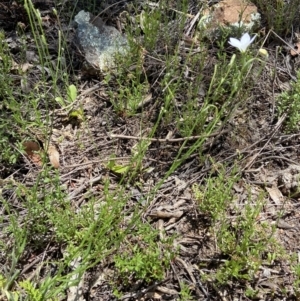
x: 174, y: 211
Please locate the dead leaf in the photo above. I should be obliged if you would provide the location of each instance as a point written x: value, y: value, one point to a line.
x: 180, y: 184
x: 24, y: 67
x: 145, y: 100
x: 296, y: 51
x: 275, y: 194
x: 32, y: 149
x: 14, y: 65
x: 153, y: 295
x: 53, y: 156
x: 281, y: 224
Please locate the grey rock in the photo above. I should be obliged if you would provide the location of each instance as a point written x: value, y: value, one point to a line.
x: 100, y: 43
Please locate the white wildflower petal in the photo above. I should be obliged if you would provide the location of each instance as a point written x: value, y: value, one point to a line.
x: 244, y: 47
x: 234, y: 42
x: 253, y: 39
x: 245, y: 39
x: 243, y: 43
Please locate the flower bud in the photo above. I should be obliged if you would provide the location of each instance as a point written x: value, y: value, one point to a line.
x: 263, y: 52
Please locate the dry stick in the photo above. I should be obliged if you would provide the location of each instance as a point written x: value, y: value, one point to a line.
x: 97, y: 161
x: 110, y: 6
x: 282, y: 40
x: 194, y: 179
x: 100, y: 161
x: 37, y: 260
x: 187, y: 269
x: 273, y: 82
x: 163, y: 214
x: 277, y: 126
x: 175, y: 274
x: 288, y: 137
x: 278, y: 157
x: 162, y: 71
x: 273, y: 98
x: 30, y: 265
x: 218, y: 292
x: 154, y: 139
x: 143, y: 291
x: 167, y: 140
x: 166, y: 290
x: 82, y: 187
x: 90, y: 90
x: 193, y: 23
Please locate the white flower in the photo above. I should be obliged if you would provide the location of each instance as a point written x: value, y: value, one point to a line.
x: 243, y: 43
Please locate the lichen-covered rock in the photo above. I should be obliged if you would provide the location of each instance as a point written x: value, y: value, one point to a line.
x: 231, y: 15
x: 100, y: 43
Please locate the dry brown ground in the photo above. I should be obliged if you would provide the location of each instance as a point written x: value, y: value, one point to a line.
x: 270, y: 161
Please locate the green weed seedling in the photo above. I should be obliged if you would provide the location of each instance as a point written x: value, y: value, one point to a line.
x: 126, y: 101
x: 240, y: 238
x: 289, y: 104
x: 296, y: 270
x: 32, y: 293
x: 9, y: 295
x: 244, y: 244
x: 185, y: 292
x: 216, y: 195
x: 71, y: 96
x: 143, y: 258
x: 9, y: 106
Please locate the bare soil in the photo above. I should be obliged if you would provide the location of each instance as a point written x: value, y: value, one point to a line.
x: 270, y: 162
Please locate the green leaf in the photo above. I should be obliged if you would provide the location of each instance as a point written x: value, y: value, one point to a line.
x: 120, y: 169
x: 72, y: 92
x: 33, y: 293
x: 60, y: 101
x: 111, y: 164
x: 78, y: 114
